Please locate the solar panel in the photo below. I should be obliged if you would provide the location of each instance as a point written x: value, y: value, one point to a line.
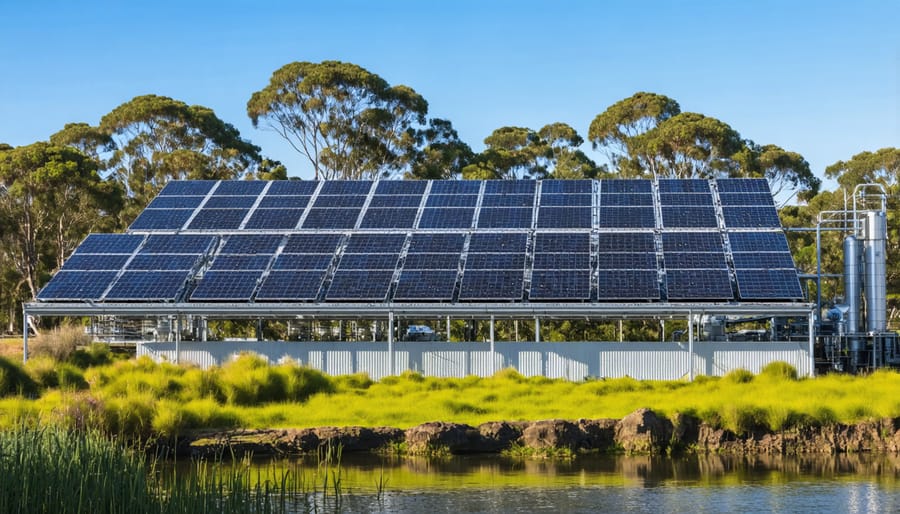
x: 560, y: 285
x: 627, y: 261
x: 562, y: 261
x: 555, y: 200
x: 751, y: 217
x: 707, y: 284
x: 312, y: 243
x: 627, y: 217
x: 758, y: 242
x: 689, y: 217
x: 503, y: 217
x: 564, y: 217
x: 435, y: 243
x: 95, y: 262
x: 567, y: 186
x: 451, y: 217
x: 395, y: 201
x: 290, y: 285
x: 148, y: 285
x: 161, y: 219
x: 303, y: 261
x: 455, y: 187
x: 375, y: 243
x: 292, y: 187
x: 626, y: 200
x: 339, y: 201
x: 177, y: 243
x: 366, y: 261
x: 230, y: 202
x: 451, y: 200
x: 227, y: 285
x: 175, y: 202
x: 252, y: 244
x: 396, y: 217
x: 492, y: 285
x: 422, y: 285
x: 744, y: 185
x: 431, y: 261
x: 400, y: 187
x: 505, y: 242
x: 695, y: 260
x: 691, y: 185
x: 240, y: 188
x: 110, y: 243
x: 495, y: 187
x: 640, y: 242
x: 218, y: 219
x: 360, y: 285
x: 284, y: 202
x: 77, y: 285
x: 686, y: 199
x: 240, y: 262
x: 274, y: 219
x: 768, y: 284
x: 187, y: 187
x: 331, y: 218
x: 495, y: 261
x: 163, y: 261
x: 763, y: 260
x: 628, y: 285
x: 510, y: 200
x: 346, y: 187
x: 625, y: 186
x: 758, y: 199
x: 691, y: 242
x: 562, y: 242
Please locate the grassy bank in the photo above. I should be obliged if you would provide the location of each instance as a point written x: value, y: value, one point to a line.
x: 139, y: 398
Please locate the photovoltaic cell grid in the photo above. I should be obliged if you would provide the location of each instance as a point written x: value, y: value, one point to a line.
x: 367, y: 267
x: 764, y: 268
x: 495, y: 266
x: 431, y: 267
x: 562, y: 266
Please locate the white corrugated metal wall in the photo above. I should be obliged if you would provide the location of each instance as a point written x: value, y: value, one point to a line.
x: 572, y: 360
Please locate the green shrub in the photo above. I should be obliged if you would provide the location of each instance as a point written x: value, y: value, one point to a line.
x: 738, y: 376
x: 43, y: 370
x: 69, y: 376
x: 301, y: 382
x: 59, y: 343
x: 511, y: 374
x: 779, y: 370
x: 14, y: 380
x: 249, y: 379
x: 742, y: 419
x: 96, y: 354
x: 354, y: 381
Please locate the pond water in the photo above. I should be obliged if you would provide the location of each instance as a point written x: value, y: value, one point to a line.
x: 696, y: 484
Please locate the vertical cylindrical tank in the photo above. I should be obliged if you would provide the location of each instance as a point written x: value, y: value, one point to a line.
x: 852, y: 277
x: 876, y: 277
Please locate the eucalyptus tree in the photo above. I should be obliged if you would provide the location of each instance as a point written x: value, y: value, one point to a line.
x: 442, y: 154
x: 347, y: 121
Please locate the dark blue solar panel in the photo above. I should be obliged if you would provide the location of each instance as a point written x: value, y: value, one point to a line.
x: 455, y: 187
x: 763, y: 260
x: 628, y: 285
x: 695, y: 260
x: 252, y: 244
x: 346, y: 187
x: 340, y: 201
x: 751, y: 217
x: 755, y: 199
x: 685, y: 199
x: 625, y: 186
x: 369, y: 261
x: 627, y: 217
x: 163, y: 261
x: 566, y: 186
x: 707, y: 284
x: 148, y: 285
x: 451, y: 200
x: 450, y: 217
x: 240, y: 188
x: 274, y: 219
x: 431, y: 261
x: 492, y: 285
x: 743, y: 185
x: 495, y: 261
x: 161, y: 219
x: 768, y: 284
x: 77, y: 285
x: 292, y: 187
x: 496, y: 187
x: 561, y: 285
x: 562, y: 242
x: 395, y: 201
x: 689, y: 217
x: 432, y: 243
x: 397, y: 217
x: 564, y: 217
x: 679, y: 185
x: 227, y: 285
x: 331, y: 218
x: 177, y: 243
x: 626, y: 200
x: 505, y: 217
x: 692, y: 242
x: 290, y: 285
x: 360, y: 285
x: 240, y: 262
x: 627, y: 261
x: 758, y: 242
x: 303, y: 261
x: 500, y: 242
x: 508, y: 200
x: 312, y: 243
x: 400, y: 187
x: 566, y: 200
x: 218, y: 219
x: 562, y: 261
x: 175, y: 202
x: 284, y: 202
x: 640, y: 242
x: 230, y: 202
x: 425, y: 285
x: 88, y: 261
x: 375, y: 243
x: 187, y: 187
x: 109, y: 243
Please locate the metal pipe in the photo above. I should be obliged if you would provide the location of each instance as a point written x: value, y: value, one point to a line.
x: 390, y: 343
x: 875, y: 272
x: 537, y: 329
x: 691, y: 346
x: 811, y: 328
x: 493, y: 362
x: 178, y: 340
x: 852, y: 275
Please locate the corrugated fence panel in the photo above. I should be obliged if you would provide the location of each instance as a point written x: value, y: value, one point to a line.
x: 754, y: 356
x: 445, y: 364
x: 530, y: 363
x: 644, y: 361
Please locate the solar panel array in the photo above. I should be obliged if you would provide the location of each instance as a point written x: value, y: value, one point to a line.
x: 441, y: 241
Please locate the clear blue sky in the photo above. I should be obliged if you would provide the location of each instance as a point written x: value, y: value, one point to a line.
x: 818, y: 77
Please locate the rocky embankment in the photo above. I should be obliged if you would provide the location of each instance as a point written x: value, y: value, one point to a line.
x: 641, y: 432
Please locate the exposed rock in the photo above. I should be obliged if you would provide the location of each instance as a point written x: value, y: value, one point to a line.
x: 643, y: 431
x: 499, y: 435
x: 437, y: 436
x: 597, y: 434
x: 552, y: 434
x: 357, y: 439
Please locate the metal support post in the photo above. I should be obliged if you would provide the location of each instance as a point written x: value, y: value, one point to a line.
x: 493, y: 361
x: 537, y: 329
x: 448, y: 329
x: 178, y: 339
x: 812, y: 342
x: 391, y: 343
x: 24, y: 335
x: 691, y: 346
